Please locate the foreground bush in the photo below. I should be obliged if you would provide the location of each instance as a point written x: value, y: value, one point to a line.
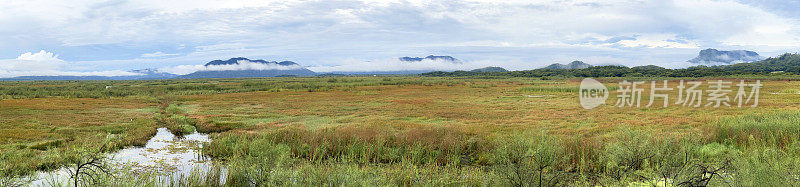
x: 776, y: 129
x: 443, y: 155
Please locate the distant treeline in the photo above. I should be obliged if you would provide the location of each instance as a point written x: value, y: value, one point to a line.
x: 784, y: 64
x: 151, y: 88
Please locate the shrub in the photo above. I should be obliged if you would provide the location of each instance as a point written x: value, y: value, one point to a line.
x: 767, y: 167
x: 529, y: 160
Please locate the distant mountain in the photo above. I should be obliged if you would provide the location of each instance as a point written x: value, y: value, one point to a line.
x: 399, y: 72
x: 331, y: 75
x: 429, y: 57
x: 59, y: 78
x: 410, y: 61
x: 152, y: 74
x: 789, y: 63
x: 234, y: 61
x: 144, y: 75
x: 786, y: 64
x: 247, y: 73
x: 717, y: 57
x: 490, y: 69
x: 572, y: 65
x: 228, y: 69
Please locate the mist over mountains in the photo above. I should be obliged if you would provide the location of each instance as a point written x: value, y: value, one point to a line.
x: 143, y: 74
x: 490, y: 69
x: 401, y: 65
x: 241, y: 60
x: 242, y: 67
x: 429, y: 57
x: 717, y: 57
x: 572, y: 65
x: 788, y: 63
x: 232, y: 68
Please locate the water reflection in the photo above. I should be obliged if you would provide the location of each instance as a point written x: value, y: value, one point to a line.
x: 164, y: 154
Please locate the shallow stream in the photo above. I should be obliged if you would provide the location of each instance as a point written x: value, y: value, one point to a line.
x: 164, y: 154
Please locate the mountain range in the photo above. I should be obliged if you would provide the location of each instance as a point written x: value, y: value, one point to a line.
x: 717, y: 57
x: 490, y: 69
x: 788, y: 63
x: 254, y: 68
x: 242, y: 67
x: 143, y: 75
x: 239, y: 67
x: 235, y: 61
x: 152, y: 74
x: 429, y: 57
x: 410, y: 61
x: 572, y: 65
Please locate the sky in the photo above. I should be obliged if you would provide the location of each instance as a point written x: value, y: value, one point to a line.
x: 89, y: 37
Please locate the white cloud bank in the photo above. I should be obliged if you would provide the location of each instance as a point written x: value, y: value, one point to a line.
x: 655, y: 41
x: 394, y: 65
x: 158, y: 54
x: 42, y: 60
x: 46, y: 63
x: 315, y: 32
x: 242, y: 65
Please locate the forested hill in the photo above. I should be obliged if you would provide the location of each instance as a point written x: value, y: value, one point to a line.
x: 784, y: 64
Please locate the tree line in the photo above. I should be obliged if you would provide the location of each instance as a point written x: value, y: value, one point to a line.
x: 785, y: 64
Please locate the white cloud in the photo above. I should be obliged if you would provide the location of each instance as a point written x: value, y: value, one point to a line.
x: 9, y: 74
x: 42, y: 60
x: 513, y: 22
x: 397, y: 65
x: 737, y: 24
x: 321, y: 32
x: 40, y: 56
x: 242, y: 65
x: 46, y: 63
x: 656, y: 41
x: 158, y: 54
x: 221, y: 47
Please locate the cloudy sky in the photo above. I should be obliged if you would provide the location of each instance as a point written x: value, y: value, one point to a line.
x: 88, y: 37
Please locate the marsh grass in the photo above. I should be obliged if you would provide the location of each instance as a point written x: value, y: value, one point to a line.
x: 149, y: 88
x: 175, y: 120
x: 560, y: 88
x: 779, y: 129
x: 400, y: 131
x: 790, y: 91
x: 550, y: 89
x: 533, y: 158
x: 434, y: 145
x: 633, y: 157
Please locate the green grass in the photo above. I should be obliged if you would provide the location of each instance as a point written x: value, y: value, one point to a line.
x: 564, y: 88
x: 402, y: 131
x: 776, y: 128
x: 550, y: 89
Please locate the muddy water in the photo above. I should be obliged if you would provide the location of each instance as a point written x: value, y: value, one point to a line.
x: 164, y: 154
